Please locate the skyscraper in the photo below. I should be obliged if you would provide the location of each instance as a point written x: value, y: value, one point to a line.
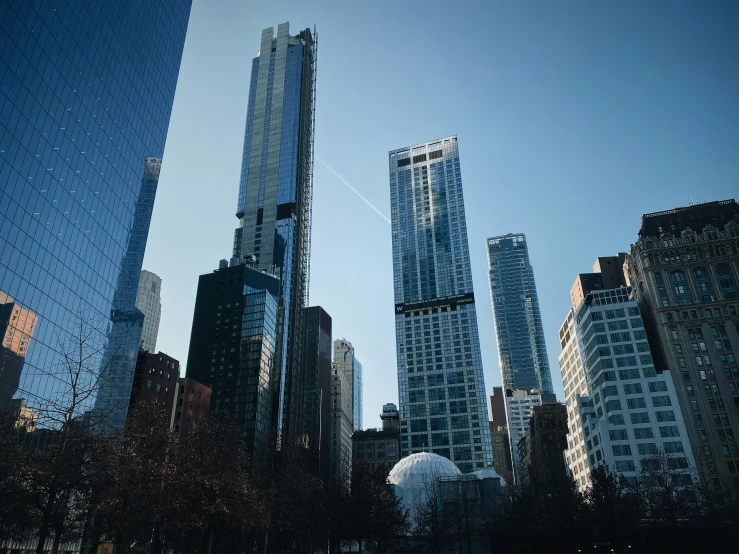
x: 521, y: 348
x: 631, y: 412
x: 440, y: 378
x: 149, y: 301
x: 233, y: 344
x: 274, y: 202
x: 84, y: 112
x: 684, y: 267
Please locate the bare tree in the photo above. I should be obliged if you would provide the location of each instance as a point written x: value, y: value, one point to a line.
x: 668, y: 487
x: 69, y: 451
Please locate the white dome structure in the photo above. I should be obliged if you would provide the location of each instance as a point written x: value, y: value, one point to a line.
x: 414, y: 476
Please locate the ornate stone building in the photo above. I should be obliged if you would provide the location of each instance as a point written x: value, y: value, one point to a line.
x: 685, y: 269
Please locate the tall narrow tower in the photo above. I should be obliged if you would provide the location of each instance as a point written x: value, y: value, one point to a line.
x: 440, y: 379
x: 274, y: 203
x: 520, y: 333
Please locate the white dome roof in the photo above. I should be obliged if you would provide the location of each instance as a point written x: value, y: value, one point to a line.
x: 421, y: 468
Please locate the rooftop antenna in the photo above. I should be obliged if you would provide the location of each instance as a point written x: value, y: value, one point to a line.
x: 692, y: 202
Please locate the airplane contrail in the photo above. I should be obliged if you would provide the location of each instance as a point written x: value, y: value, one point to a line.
x: 370, y: 204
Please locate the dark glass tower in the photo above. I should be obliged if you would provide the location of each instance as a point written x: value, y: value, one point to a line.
x: 440, y: 379
x: 274, y: 204
x: 521, y: 347
x: 232, y: 346
x: 86, y: 92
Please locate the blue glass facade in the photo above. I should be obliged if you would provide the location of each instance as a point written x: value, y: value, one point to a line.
x: 521, y: 348
x: 86, y: 91
x: 440, y: 377
x: 274, y: 200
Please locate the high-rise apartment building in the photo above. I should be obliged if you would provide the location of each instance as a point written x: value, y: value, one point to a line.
x: 684, y: 268
x: 149, y: 301
x: 575, y: 386
x: 631, y: 412
x: 317, y: 351
x: 342, y: 418
x: 84, y: 112
x: 274, y: 202
x: 233, y: 346
x: 440, y: 378
x: 521, y: 348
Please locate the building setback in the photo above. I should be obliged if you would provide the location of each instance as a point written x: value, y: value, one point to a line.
x: 82, y: 132
x: 684, y: 268
x: 149, y: 301
x: 233, y: 345
x: 440, y: 377
x: 274, y: 201
x: 317, y: 377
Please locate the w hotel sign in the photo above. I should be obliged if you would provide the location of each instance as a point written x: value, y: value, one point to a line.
x: 442, y: 302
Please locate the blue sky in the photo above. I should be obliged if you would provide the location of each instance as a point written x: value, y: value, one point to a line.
x: 573, y: 118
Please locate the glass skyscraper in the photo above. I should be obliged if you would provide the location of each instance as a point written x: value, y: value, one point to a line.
x: 440, y: 378
x: 521, y: 348
x: 274, y: 202
x: 86, y: 92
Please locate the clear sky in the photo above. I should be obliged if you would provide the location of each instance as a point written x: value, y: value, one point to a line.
x: 573, y: 118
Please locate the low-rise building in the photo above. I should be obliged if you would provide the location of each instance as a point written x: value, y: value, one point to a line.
x: 155, y: 380
x: 542, y: 447
x: 379, y: 447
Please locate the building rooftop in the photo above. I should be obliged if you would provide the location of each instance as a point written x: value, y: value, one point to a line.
x: 694, y: 217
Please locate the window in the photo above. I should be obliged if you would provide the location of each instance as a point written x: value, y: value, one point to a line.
x: 660, y: 401
x: 646, y: 448
x: 669, y: 431
x: 658, y: 386
x: 665, y: 415
x: 639, y: 417
x: 625, y: 465
x: 621, y: 450
x: 703, y: 284
x: 148, y: 384
x: 726, y: 282
x: 618, y: 435
x: 680, y: 287
x: 643, y: 433
x: 636, y: 403
x: 158, y: 388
